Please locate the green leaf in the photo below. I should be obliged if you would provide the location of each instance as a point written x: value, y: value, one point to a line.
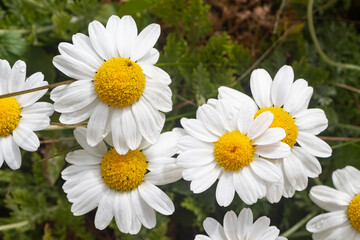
x: 12, y: 45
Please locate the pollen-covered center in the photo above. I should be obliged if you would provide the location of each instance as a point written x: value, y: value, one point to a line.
x: 119, y: 82
x: 283, y: 120
x: 354, y: 212
x: 234, y: 150
x: 123, y: 172
x: 9, y: 115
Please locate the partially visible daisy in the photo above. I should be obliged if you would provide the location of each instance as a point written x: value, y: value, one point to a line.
x: 21, y: 115
x: 118, y: 88
x: 288, y: 101
x: 230, y: 145
x: 240, y: 228
x: 122, y: 186
x: 343, y: 203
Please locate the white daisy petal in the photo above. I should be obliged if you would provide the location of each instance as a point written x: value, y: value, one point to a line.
x: 266, y: 170
x: 270, y: 136
x: 111, y: 29
x: 126, y: 36
x: 118, y: 137
x: 228, y: 112
x: 104, y: 213
x: 165, y: 175
x: 165, y: 146
x: 326, y: 221
x: 17, y: 77
x: 188, y: 142
x: 129, y: 129
x: 156, y: 198
x: 81, y: 41
x: 82, y: 157
x: 43, y: 108
x: 245, y: 117
x: 5, y: 70
x: 330, y: 199
x: 246, y: 187
x: 1, y: 155
x: 259, y: 227
x: 151, y: 57
x: 145, y: 41
x: 34, y: 81
x: 73, y: 68
x: 80, y: 55
x: 100, y: 40
x: 96, y: 130
x: 34, y: 122
x: 203, y: 183
x: 274, y: 150
x: 26, y: 139
x: 295, y: 172
x: 272, y: 234
x: 124, y: 215
x: 196, y: 129
x: 260, y: 84
x: 11, y: 152
x: 77, y: 96
x: 214, y: 229
x: 235, y: 97
x: 230, y: 220
x: 79, y: 115
x: 281, y: 87
x: 311, y: 120
x: 195, y: 158
x: 159, y: 96
x: 148, y: 120
x: 244, y: 223
x: 155, y: 74
x: 193, y: 173
x: 143, y: 211
x: 260, y: 124
x: 310, y: 163
x: 225, y: 190
x: 347, y: 180
x: 88, y: 200
x: 211, y: 119
x: 299, y: 90
x: 313, y: 145
x: 202, y: 237
x: 99, y: 150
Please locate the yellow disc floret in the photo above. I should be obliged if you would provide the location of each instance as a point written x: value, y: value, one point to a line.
x: 123, y: 172
x: 283, y: 120
x: 354, y: 212
x: 119, y: 82
x: 9, y: 115
x: 234, y: 150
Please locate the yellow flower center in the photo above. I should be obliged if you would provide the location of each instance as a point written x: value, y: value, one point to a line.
x: 234, y: 150
x: 354, y: 212
x: 283, y: 120
x: 123, y: 172
x: 9, y: 115
x: 119, y: 82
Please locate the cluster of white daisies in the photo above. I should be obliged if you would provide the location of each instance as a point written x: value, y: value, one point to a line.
x: 265, y: 146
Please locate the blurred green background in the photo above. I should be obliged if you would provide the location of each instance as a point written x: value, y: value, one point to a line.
x: 203, y: 45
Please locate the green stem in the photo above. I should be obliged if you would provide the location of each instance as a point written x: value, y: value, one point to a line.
x: 36, y: 89
x: 14, y: 225
x: 317, y: 44
x: 344, y: 144
x: 298, y: 225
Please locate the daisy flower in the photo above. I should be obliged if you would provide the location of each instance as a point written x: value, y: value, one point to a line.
x: 288, y: 101
x: 20, y: 116
x: 343, y: 203
x: 240, y: 228
x: 230, y: 145
x: 121, y: 186
x: 118, y: 88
